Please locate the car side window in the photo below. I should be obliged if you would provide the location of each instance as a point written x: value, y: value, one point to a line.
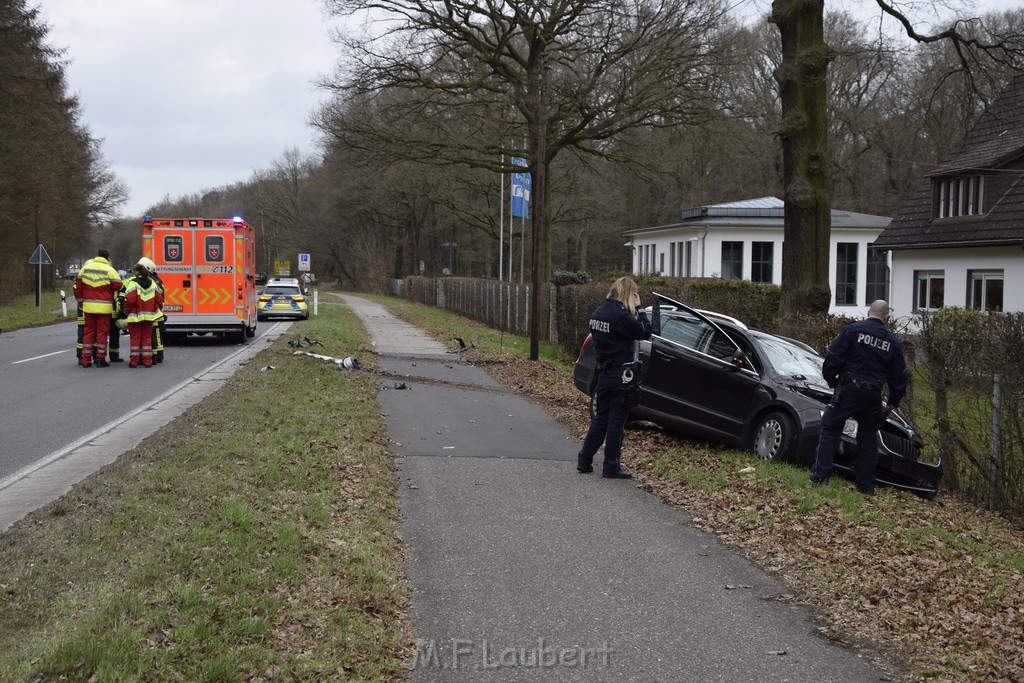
x: 683, y: 330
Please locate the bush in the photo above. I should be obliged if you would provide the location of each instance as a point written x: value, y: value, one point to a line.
x: 565, y: 277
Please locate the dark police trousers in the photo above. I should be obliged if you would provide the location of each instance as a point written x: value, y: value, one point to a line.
x: 866, y: 406
x: 608, y: 425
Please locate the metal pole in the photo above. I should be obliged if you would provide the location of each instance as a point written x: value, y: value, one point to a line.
x: 997, y: 450
x: 538, y: 205
x: 39, y: 268
x: 501, y: 228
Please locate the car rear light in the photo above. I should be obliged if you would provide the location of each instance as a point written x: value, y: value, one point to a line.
x: 299, y: 299
x: 264, y: 298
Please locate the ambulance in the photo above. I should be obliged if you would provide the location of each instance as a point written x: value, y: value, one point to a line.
x: 208, y: 269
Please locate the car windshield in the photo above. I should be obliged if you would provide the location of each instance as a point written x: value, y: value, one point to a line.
x: 282, y: 289
x: 788, y: 358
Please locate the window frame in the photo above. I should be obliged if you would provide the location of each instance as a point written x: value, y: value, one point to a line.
x: 927, y: 279
x: 982, y: 277
x: 846, y: 274
x: 734, y: 262
x: 762, y: 267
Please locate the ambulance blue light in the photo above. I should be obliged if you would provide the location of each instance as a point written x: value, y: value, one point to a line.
x: 147, y: 219
x: 237, y: 220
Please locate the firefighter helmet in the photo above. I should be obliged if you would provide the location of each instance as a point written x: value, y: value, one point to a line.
x: 148, y: 264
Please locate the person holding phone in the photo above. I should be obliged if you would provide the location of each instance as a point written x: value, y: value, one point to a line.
x: 617, y: 325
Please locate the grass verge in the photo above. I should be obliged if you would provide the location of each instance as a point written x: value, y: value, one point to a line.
x: 23, y: 312
x: 254, y: 538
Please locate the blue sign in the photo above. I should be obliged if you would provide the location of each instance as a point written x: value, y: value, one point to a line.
x: 521, y: 186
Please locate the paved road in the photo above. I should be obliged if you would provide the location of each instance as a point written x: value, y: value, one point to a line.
x: 55, y: 432
x: 523, y: 569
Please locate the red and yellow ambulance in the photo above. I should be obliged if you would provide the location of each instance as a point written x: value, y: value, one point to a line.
x: 208, y: 269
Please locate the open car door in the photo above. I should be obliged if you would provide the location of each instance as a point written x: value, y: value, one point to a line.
x: 695, y: 371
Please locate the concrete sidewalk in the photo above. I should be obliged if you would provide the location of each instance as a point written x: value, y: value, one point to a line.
x: 523, y: 569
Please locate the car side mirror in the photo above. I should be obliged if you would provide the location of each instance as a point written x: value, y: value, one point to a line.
x: 739, y: 359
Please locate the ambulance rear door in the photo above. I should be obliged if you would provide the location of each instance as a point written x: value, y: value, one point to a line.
x: 213, y: 288
x: 172, y: 252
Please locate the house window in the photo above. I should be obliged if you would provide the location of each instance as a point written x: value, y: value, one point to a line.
x: 959, y: 197
x: 985, y: 291
x: 929, y: 290
x: 661, y: 263
x: 761, y: 259
x: 877, y: 280
x: 732, y: 260
x: 672, y: 258
x: 846, y: 273
x: 687, y: 260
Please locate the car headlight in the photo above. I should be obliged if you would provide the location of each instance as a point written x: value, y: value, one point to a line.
x: 850, y: 428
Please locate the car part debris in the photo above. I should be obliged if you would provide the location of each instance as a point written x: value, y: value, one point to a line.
x: 349, y: 362
x: 267, y: 367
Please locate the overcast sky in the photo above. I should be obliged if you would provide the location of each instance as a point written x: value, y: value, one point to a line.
x: 189, y: 95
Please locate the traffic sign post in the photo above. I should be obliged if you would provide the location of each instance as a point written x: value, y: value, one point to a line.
x: 304, y: 263
x: 39, y: 259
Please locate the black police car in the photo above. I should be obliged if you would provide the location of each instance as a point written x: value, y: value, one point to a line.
x: 710, y: 376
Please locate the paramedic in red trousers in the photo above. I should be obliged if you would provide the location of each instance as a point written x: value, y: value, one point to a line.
x: 142, y: 302
x: 616, y: 326
x: 96, y: 286
x: 863, y: 357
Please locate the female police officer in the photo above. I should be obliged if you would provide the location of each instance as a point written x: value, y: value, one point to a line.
x: 616, y: 326
x: 862, y: 358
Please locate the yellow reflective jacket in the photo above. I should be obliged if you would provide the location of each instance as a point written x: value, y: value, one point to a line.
x: 96, y: 286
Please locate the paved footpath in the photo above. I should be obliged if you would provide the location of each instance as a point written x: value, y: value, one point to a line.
x: 524, y: 570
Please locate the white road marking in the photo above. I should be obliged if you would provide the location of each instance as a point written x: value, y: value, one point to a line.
x: 38, y: 357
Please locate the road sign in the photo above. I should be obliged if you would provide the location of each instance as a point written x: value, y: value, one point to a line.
x: 304, y: 262
x: 40, y: 257
x: 282, y: 268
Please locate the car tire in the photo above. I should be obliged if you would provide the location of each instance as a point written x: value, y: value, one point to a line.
x: 774, y: 437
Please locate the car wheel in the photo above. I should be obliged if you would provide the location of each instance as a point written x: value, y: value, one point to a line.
x: 774, y: 437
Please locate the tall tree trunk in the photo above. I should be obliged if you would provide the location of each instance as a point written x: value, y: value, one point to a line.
x: 804, y: 133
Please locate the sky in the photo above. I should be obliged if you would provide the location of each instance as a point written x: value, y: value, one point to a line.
x: 189, y: 95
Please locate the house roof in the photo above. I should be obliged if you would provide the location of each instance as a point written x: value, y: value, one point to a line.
x: 997, y: 137
x: 764, y: 212
x: 994, y: 143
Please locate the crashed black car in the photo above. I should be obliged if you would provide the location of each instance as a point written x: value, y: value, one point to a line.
x: 709, y: 376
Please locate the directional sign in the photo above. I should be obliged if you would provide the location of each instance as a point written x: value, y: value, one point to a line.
x: 40, y: 257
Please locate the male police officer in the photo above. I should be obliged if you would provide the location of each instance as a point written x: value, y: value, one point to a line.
x: 863, y: 357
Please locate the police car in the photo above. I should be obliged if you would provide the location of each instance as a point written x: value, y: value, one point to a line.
x: 282, y: 297
x: 710, y: 376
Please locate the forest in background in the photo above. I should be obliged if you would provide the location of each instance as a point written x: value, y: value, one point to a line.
x: 367, y: 209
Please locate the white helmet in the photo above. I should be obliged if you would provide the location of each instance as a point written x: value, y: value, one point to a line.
x: 148, y: 264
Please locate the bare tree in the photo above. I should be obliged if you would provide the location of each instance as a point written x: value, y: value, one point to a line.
x: 571, y: 74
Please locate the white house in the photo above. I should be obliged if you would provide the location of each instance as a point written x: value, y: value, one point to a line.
x: 743, y: 240
x: 960, y: 240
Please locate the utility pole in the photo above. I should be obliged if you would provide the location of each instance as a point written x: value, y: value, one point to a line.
x: 538, y: 206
